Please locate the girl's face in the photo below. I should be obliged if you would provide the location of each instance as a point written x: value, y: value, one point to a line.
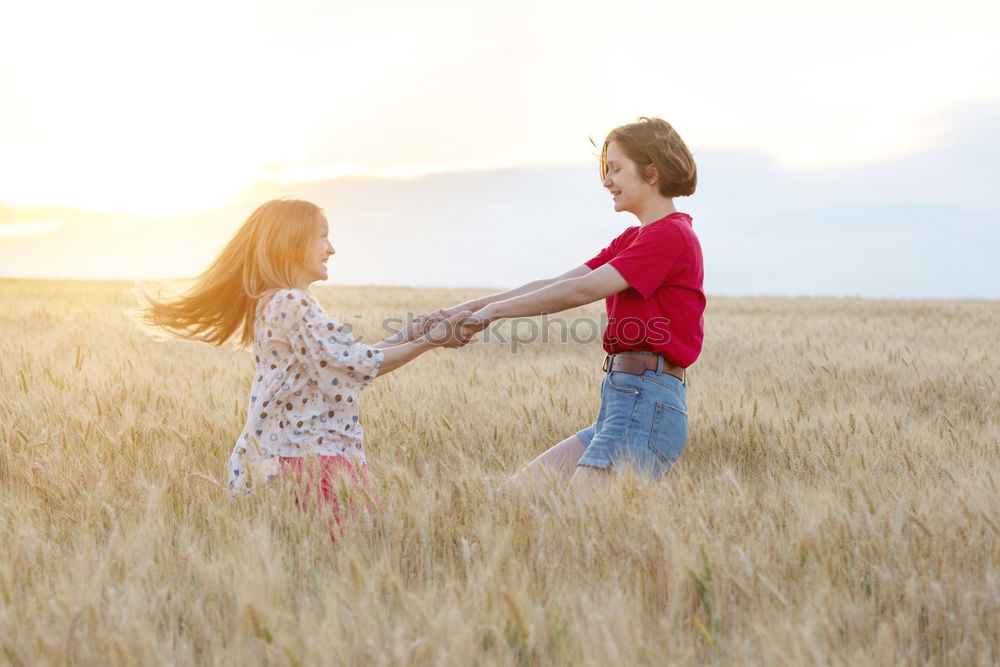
x: 318, y: 252
x: 630, y: 191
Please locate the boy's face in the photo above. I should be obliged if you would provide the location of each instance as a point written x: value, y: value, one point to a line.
x: 625, y: 181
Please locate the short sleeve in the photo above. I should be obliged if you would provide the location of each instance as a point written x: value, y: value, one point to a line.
x: 649, y: 259
x: 323, y: 345
x: 602, y: 257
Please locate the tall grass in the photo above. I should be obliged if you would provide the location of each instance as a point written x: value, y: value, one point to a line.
x: 837, y: 503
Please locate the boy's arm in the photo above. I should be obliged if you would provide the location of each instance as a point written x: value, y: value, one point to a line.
x: 598, y: 284
x: 423, y: 322
x: 527, y: 288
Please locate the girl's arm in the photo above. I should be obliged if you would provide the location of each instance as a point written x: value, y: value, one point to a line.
x: 411, y: 332
x: 447, y: 333
x: 330, y: 352
x: 323, y: 345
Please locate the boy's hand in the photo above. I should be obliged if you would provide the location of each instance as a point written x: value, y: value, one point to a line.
x: 449, y: 331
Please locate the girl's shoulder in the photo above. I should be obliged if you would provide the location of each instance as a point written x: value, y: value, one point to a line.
x: 292, y: 294
x: 283, y: 300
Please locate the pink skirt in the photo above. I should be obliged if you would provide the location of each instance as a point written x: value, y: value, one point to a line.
x: 312, y: 493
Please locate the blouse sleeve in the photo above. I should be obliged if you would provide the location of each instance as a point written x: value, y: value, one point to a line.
x: 323, y: 345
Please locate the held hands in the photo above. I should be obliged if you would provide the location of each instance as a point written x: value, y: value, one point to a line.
x: 448, y: 331
x: 424, y: 323
x: 450, y: 328
x: 476, y: 322
x: 420, y: 325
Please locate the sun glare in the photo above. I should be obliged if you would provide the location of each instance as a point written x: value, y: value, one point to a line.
x: 28, y: 228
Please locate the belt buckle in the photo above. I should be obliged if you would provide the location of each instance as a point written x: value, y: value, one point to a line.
x: 607, y: 363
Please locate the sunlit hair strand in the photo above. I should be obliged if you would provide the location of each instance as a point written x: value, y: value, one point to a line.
x: 266, y: 253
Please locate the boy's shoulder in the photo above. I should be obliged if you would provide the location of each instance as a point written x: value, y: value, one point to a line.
x: 674, y: 228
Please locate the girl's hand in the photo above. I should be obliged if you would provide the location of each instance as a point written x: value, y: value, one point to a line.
x: 424, y: 323
x: 420, y: 325
x: 449, y: 332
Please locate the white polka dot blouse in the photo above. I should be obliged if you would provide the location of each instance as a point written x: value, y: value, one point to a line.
x: 304, y: 397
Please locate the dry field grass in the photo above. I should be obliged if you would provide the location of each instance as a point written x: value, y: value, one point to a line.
x: 838, y: 502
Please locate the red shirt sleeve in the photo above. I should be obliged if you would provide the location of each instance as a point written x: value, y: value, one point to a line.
x: 649, y: 259
x: 605, y: 255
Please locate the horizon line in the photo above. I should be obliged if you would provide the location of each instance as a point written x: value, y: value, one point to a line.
x: 725, y: 295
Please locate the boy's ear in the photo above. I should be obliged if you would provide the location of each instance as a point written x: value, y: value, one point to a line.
x: 651, y: 174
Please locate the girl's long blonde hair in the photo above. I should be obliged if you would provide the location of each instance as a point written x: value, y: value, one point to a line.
x: 266, y: 253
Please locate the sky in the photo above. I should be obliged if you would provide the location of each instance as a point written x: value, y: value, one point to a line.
x: 460, y: 132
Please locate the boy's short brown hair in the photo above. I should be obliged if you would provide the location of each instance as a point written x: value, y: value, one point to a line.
x: 653, y: 142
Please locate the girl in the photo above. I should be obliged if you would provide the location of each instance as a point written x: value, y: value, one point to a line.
x: 651, y: 277
x: 309, y: 369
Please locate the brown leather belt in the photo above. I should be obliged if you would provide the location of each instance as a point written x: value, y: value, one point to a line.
x: 637, y: 363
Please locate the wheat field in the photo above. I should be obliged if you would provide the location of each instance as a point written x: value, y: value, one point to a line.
x: 837, y: 502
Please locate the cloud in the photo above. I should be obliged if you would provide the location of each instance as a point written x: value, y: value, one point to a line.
x: 925, y: 225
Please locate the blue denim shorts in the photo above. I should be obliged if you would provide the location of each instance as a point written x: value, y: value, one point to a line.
x: 642, y: 423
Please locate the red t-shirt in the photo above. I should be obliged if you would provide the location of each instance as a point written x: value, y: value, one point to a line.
x: 662, y: 311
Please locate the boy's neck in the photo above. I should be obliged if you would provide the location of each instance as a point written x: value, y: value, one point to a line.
x: 656, y: 209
